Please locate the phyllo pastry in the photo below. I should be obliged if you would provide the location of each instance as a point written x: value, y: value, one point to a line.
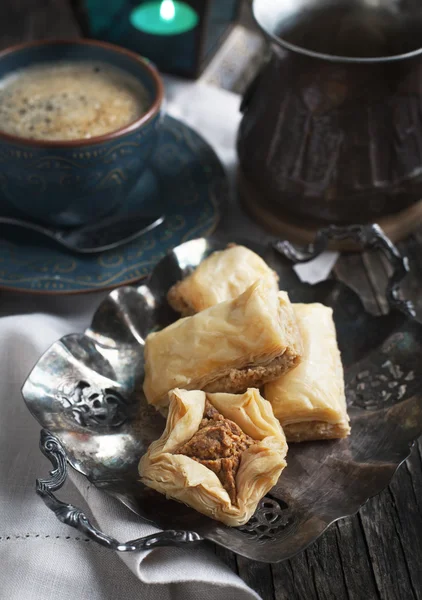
x: 310, y: 400
x: 219, y: 453
x: 229, y: 347
x: 222, y: 276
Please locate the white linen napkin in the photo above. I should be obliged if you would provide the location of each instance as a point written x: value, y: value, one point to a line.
x: 42, y: 559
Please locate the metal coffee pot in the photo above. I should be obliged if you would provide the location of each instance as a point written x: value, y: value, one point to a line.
x: 332, y: 125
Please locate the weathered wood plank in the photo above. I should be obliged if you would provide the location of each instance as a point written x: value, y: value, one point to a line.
x: 24, y: 20
x: 292, y: 579
x: 356, y: 564
x: 229, y: 558
x: 406, y: 495
x: 258, y: 576
x: 316, y: 574
x: 380, y: 523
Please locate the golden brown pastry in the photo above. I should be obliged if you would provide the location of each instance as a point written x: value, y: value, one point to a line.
x: 219, y: 453
x: 229, y: 347
x: 310, y: 401
x: 222, y: 276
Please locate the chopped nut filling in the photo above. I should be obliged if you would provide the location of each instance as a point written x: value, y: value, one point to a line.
x: 218, y: 445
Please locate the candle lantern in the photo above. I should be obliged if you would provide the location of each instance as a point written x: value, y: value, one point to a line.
x: 179, y: 36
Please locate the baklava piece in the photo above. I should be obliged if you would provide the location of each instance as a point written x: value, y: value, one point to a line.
x: 219, y: 453
x: 310, y: 400
x: 222, y: 276
x: 229, y: 347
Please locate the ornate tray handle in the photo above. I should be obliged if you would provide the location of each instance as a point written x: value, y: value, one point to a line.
x: 369, y: 237
x: 73, y: 516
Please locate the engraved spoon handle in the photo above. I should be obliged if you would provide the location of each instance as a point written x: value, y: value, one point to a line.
x: 30, y: 226
x: 106, y: 234
x: 75, y: 517
x: 369, y: 237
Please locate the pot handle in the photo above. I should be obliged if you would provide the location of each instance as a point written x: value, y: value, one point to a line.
x: 368, y: 237
x: 251, y: 89
x: 75, y: 517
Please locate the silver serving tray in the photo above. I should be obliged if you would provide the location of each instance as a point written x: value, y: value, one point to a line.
x: 86, y: 392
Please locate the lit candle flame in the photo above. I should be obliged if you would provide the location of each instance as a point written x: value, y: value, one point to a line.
x: 167, y: 10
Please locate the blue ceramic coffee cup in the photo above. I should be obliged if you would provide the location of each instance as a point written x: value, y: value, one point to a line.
x: 74, y: 182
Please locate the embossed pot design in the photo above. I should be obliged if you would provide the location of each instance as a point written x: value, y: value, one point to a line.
x: 77, y: 181
x: 329, y: 136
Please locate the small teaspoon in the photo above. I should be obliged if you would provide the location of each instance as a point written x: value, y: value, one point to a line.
x: 104, y: 235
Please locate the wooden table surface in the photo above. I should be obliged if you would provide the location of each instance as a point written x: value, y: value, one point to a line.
x: 376, y: 554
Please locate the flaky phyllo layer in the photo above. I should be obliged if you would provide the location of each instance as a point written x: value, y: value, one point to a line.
x: 236, y: 452
x: 228, y: 347
x: 310, y: 401
x: 222, y: 276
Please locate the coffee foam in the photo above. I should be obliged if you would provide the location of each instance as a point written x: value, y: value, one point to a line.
x: 70, y: 100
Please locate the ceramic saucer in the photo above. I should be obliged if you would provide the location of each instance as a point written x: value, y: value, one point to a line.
x: 186, y: 182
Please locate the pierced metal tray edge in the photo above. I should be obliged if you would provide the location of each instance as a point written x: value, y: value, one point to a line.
x: 370, y: 237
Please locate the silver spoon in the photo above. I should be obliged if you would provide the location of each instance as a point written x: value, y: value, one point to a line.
x: 107, y: 234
